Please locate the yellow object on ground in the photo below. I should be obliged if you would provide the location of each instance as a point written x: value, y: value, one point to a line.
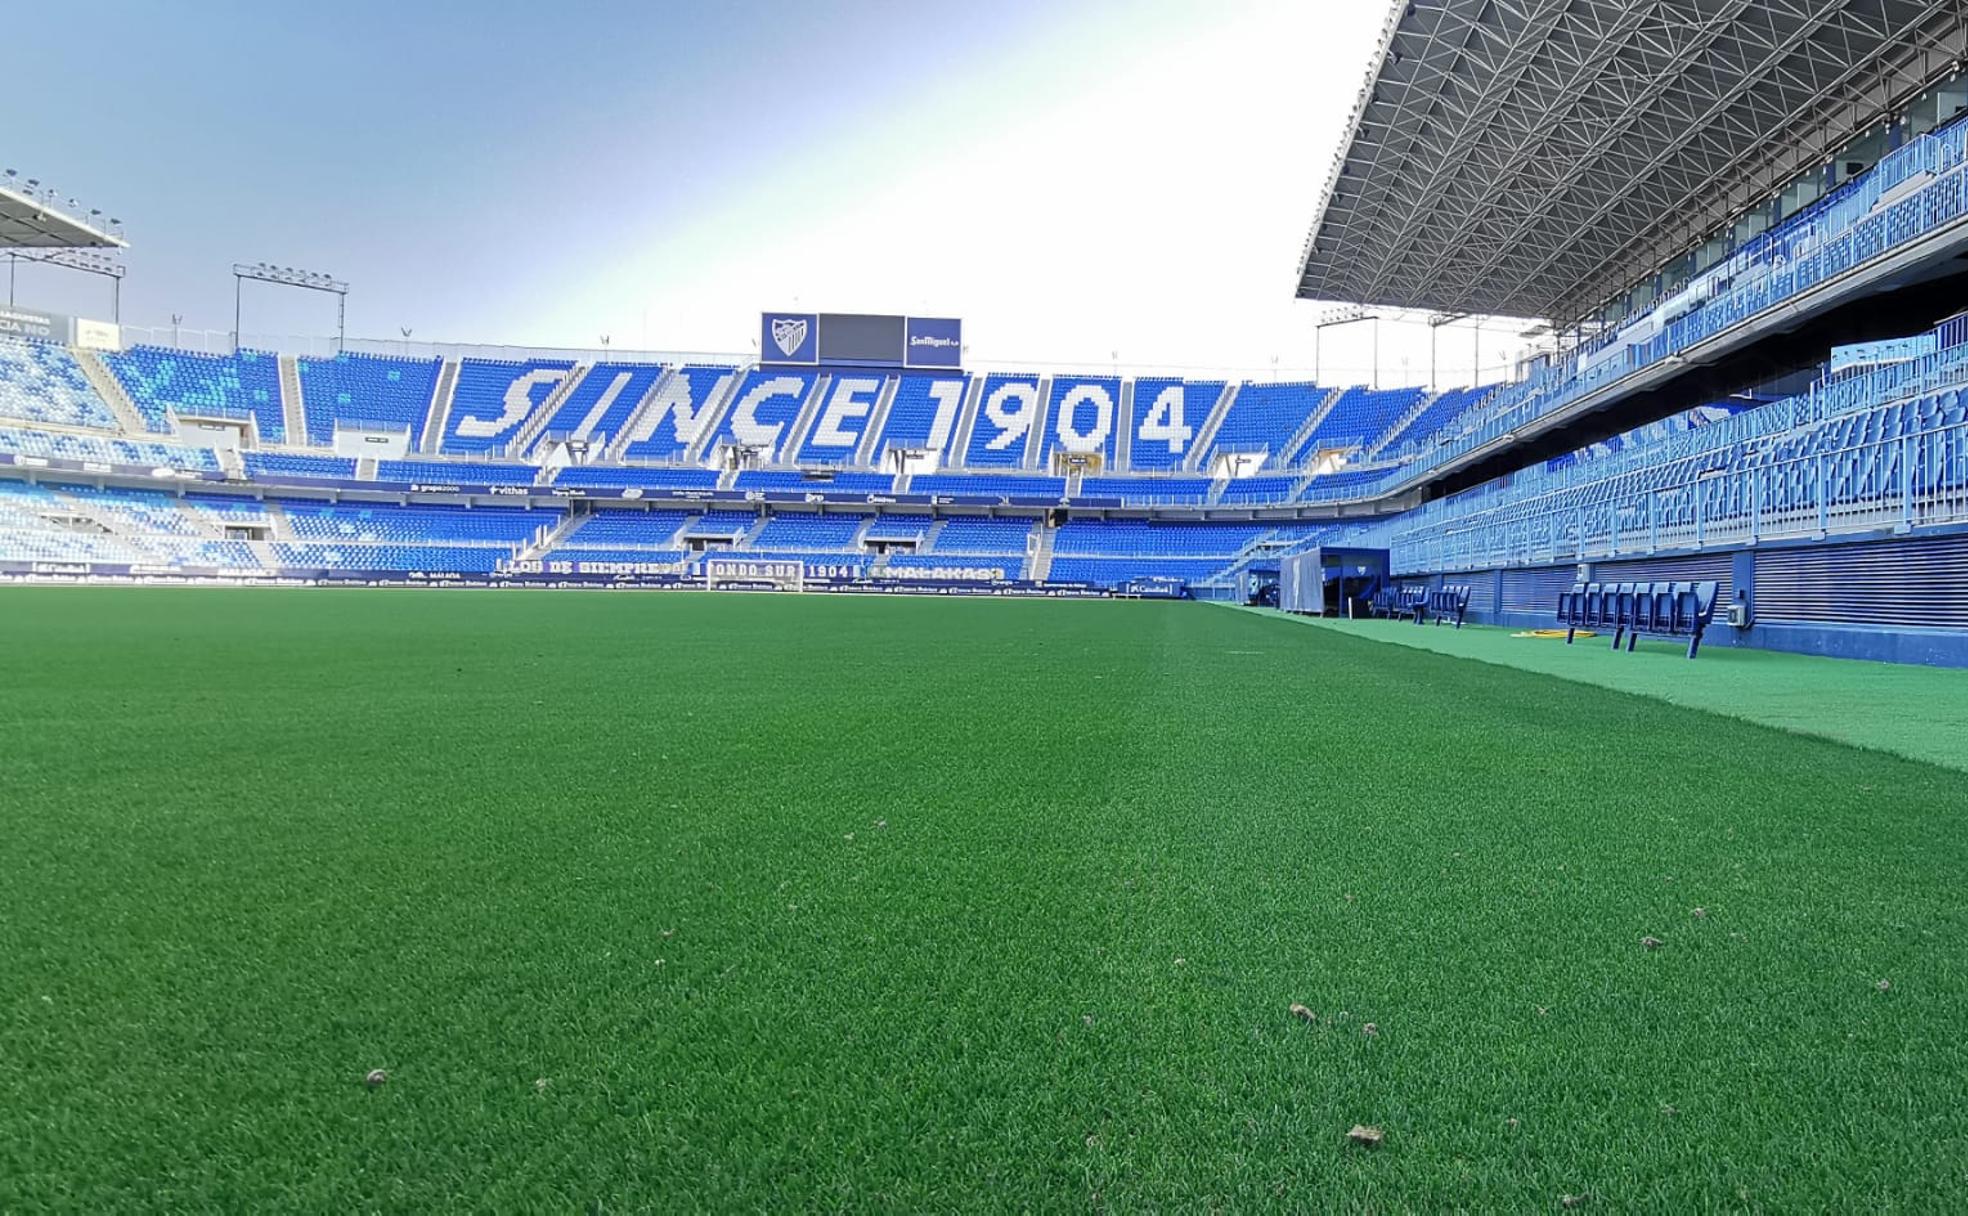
x: 1551, y: 633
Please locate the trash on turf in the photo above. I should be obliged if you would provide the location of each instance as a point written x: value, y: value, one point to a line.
x: 376, y: 1077
x: 1572, y: 1201
x: 1370, y: 1030
x: 1701, y: 913
x: 1651, y: 942
x: 1300, y: 1011
x: 540, y: 1085
x: 1511, y: 1123
x: 669, y: 933
x: 1364, y: 1136
x: 1884, y: 985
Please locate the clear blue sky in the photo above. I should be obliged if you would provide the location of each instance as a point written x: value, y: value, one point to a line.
x: 1079, y: 181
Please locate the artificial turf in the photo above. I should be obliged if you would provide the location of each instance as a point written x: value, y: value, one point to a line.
x: 1910, y: 710
x: 688, y: 901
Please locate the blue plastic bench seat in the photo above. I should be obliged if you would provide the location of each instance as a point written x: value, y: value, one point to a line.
x: 1674, y: 610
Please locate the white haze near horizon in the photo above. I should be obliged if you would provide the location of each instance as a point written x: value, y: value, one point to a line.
x: 1109, y: 184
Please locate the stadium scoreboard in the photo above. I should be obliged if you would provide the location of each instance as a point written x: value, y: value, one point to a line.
x: 811, y: 339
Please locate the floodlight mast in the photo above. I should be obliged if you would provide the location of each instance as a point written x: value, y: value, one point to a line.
x: 1349, y: 315
x: 86, y: 261
x: 1435, y: 323
x: 287, y: 276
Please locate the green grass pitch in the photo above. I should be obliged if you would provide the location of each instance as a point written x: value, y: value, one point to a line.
x: 770, y: 902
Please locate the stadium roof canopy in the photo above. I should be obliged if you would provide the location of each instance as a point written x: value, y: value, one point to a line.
x: 1532, y: 158
x: 28, y: 222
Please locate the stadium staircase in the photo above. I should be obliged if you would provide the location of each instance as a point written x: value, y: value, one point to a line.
x: 930, y: 537
x: 293, y: 411
x: 750, y: 538
x: 548, y: 474
x: 1217, y: 487
x: 694, y: 454
x: 230, y: 463
x: 1400, y: 424
x: 728, y: 477
x: 1073, y: 476
x: 967, y: 419
x: 264, y: 554
x: 110, y: 389
x: 1206, y: 434
x: 787, y: 449
x: 1124, y: 427
x: 1036, y: 433
x: 365, y: 468
x: 864, y: 456
x: 1266, y: 545
x: 548, y: 539
x: 522, y: 440
x: 209, y: 528
x: 440, y: 407
x: 902, y: 480
x: 1281, y: 458
x: 1038, y: 564
x: 613, y: 446
x: 1318, y: 468
x: 278, y: 523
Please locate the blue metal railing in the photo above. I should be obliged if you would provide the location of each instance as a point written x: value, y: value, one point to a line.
x: 1915, y: 479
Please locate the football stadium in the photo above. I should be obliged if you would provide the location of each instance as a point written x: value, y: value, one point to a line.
x: 850, y: 773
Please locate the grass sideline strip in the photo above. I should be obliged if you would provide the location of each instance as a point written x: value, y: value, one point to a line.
x: 1912, y: 711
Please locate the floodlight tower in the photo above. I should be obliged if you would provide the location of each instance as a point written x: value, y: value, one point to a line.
x: 86, y: 261
x: 1435, y: 323
x: 287, y: 276
x: 1349, y: 315
x: 38, y: 225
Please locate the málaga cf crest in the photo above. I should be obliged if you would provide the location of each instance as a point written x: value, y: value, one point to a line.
x: 789, y: 334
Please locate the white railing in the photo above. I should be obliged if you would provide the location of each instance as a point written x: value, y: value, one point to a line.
x: 1914, y: 480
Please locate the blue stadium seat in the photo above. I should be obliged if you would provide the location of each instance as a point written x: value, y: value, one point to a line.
x: 924, y: 413
x: 763, y: 409
x: 688, y: 404
x: 494, y: 399
x: 40, y: 382
x: 366, y: 391
x: 1008, y: 407
x: 242, y: 385
x: 1168, y: 415
x: 984, y: 485
x: 1264, y: 418
x: 1082, y: 414
x: 280, y: 464
x: 598, y: 408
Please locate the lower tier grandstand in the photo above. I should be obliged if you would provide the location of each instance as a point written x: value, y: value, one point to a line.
x: 1870, y: 464
x: 162, y: 464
